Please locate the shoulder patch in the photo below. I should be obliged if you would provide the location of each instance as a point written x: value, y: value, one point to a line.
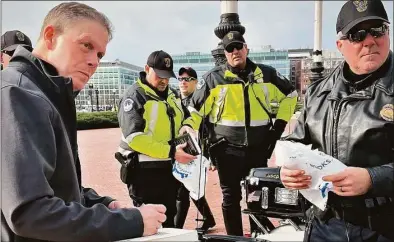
x: 280, y: 75
x: 201, y: 83
x: 128, y: 105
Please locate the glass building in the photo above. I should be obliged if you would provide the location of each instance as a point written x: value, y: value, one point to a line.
x: 203, y: 62
x: 107, y: 85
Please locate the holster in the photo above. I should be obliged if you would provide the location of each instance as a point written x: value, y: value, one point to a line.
x: 205, y: 145
x: 129, y: 166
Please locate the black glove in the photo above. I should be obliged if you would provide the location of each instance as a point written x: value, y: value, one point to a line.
x: 277, y: 130
x: 275, y: 134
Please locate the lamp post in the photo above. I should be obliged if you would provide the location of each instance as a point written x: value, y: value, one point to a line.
x: 229, y: 21
x: 317, y: 67
x: 114, y: 93
x: 90, y: 93
x: 97, y: 102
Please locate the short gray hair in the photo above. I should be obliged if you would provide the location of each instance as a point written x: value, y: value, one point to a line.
x: 64, y: 14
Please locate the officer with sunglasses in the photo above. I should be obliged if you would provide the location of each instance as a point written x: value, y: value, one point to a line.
x: 187, y: 85
x: 349, y: 115
x: 236, y: 98
x: 9, y: 41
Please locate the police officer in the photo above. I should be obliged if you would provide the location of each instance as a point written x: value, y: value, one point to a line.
x: 150, y: 116
x: 9, y: 41
x: 236, y: 98
x: 187, y: 85
x: 349, y: 115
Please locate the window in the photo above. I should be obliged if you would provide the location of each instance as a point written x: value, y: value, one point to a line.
x: 270, y: 58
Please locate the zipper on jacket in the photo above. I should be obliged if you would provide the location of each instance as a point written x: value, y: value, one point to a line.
x: 247, y: 111
x: 179, y: 108
x: 221, y: 109
x: 334, y: 133
x: 170, y: 113
x: 247, y: 107
x: 337, y: 111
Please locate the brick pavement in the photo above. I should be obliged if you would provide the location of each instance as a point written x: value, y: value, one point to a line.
x: 101, y: 172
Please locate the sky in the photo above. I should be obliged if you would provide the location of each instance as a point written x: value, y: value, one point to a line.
x: 176, y: 27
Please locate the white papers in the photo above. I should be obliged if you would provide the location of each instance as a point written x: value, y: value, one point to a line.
x: 169, y: 234
x: 315, y: 163
x: 193, y: 175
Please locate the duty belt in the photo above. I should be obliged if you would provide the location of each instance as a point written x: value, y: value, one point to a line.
x: 368, y: 212
x: 362, y: 203
x: 150, y: 162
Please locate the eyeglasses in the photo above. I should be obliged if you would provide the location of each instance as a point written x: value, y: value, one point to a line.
x: 230, y: 48
x: 10, y: 53
x: 186, y: 79
x: 361, y: 35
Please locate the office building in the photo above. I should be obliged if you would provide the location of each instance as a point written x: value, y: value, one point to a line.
x: 296, y: 57
x: 107, y: 85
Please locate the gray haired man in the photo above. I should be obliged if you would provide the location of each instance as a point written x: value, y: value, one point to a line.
x: 349, y: 115
x: 42, y: 196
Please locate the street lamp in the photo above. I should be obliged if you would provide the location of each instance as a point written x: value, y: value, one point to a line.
x: 229, y: 21
x: 114, y: 93
x: 90, y: 93
x: 97, y: 102
x: 317, y: 67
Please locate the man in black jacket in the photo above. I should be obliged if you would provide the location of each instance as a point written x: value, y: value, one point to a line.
x: 42, y: 196
x: 349, y: 115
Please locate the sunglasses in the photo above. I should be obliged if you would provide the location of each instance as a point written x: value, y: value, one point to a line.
x: 361, y: 35
x: 186, y: 79
x: 230, y: 48
x: 10, y: 53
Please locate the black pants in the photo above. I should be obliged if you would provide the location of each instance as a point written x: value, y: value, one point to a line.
x: 155, y: 186
x: 183, y: 204
x: 335, y: 230
x: 233, y: 165
x: 357, y: 226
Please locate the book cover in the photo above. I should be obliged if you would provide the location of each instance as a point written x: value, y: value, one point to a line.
x: 192, y: 146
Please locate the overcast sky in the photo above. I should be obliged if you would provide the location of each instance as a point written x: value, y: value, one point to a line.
x: 181, y: 26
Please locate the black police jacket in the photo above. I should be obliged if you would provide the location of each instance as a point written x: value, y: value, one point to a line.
x: 356, y: 127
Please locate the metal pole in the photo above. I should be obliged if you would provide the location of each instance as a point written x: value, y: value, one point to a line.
x: 317, y: 67
x: 229, y: 21
x: 114, y: 92
x: 97, y: 102
x: 90, y: 93
x: 318, y: 25
x: 228, y: 6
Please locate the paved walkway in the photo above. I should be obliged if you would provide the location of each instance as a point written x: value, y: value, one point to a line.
x: 101, y: 171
